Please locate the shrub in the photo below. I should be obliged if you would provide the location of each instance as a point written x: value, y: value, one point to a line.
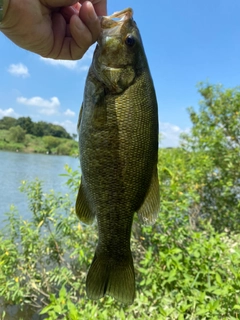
x: 214, y: 144
x: 16, y: 134
x: 51, y: 142
x: 180, y: 273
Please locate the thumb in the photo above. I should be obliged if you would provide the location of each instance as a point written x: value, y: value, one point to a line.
x: 58, y: 3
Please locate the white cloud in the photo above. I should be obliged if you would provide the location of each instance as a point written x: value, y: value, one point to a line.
x: 39, y: 102
x: 71, y: 65
x: 48, y: 107
x: 19, y: 70
x: 69, y: 113
x: 170, y: 134
x: 64, y: 63
x: 8, y: 113
x: 81, y: 65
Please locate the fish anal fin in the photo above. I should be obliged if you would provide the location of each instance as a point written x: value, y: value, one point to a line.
x: 83, y: 211
x: 149, y: 210
x: 112, y: 277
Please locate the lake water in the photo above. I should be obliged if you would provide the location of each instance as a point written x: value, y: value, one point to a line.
x: 15, y: 167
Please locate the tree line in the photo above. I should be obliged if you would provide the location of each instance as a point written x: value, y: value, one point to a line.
x: 38, y: 129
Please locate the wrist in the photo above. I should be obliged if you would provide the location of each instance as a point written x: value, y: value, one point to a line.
x: 4, y: 4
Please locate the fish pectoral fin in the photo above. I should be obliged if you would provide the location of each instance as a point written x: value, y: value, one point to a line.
x: 83, y: 211
x: 149, y: 210
x: 112, y: 277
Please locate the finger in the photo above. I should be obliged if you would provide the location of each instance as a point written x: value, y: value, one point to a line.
x: 68, y: 31
x: 71, y: 41
x: 70, y: 47
x: 100, y: 6
x: 68, y: 12
x: 88, y: 16
x: 77, y: 6
x: 59, y: 33
x: 81, y: 38
x: 58, y: 3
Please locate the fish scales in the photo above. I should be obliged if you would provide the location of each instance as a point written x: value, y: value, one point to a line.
x: 118, y: 141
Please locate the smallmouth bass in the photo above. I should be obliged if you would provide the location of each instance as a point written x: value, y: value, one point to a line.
x: 118, y: 142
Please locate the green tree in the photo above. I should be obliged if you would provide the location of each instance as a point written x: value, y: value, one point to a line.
x: 214, y: 143
x: 58, y: 131
x: 39, y: 128
x: 17, y: 134
x: 7, y: 122
x: 26, y: 123
x: 43, y: 128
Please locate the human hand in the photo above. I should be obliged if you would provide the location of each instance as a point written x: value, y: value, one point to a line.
x: 59, y: 29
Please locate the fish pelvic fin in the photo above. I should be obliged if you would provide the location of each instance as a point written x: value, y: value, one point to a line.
x: 112, y: 277
x: 149, y: 210
x: 82, y: 208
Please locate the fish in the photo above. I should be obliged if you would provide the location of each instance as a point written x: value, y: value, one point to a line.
x: 118, y: 147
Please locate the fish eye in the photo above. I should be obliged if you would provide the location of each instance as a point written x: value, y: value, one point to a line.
x: 130, y: 40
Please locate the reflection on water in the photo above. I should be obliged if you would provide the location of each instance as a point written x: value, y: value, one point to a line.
x: 15, y: 167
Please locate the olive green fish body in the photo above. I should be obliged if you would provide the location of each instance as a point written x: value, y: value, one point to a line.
x: 118, y: 141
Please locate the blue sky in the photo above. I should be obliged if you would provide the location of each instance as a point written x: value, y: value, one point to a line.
x: 185, y: 41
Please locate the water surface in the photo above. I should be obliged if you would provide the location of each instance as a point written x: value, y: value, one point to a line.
x: 15, y: 167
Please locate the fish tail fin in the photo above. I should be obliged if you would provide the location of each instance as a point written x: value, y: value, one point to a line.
x: 113, y: 277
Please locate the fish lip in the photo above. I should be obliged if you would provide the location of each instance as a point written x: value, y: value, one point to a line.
x: 108, y: 22
x: 125, y: 14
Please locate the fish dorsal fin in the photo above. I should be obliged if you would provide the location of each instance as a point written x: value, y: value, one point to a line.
x: 149, y: 210
x: 83, y: 210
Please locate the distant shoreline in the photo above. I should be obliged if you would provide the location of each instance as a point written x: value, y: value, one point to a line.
x: 49, y: 145
x: 40, y: 153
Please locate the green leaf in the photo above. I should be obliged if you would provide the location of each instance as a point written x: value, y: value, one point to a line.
x: 62, y: 292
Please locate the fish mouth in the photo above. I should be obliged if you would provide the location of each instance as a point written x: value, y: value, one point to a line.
x: 117, y: 18
x: 110, y: 25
